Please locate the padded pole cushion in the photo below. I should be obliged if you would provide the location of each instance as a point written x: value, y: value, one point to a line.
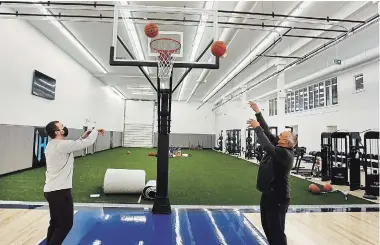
x: 150, y: 190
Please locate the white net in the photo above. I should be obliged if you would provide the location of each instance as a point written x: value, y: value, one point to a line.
x: 165, y: 47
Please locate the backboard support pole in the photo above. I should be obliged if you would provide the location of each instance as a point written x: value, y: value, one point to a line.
x: 164, y: 99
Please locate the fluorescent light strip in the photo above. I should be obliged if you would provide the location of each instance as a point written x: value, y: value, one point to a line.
x: 142, y: 88
x: 132, y: 34
x: 222, y: 37
x: 139, y: 93
x: 118, y: 93
x: 197, y: 41
x: 72, y: 38
x: 262, y: 45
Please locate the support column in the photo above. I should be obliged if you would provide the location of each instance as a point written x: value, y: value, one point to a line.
x: 281, y: 95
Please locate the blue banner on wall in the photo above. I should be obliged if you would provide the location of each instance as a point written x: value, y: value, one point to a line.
x: 39, y: 146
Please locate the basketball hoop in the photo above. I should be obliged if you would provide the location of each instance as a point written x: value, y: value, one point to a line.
x: 165, y: 47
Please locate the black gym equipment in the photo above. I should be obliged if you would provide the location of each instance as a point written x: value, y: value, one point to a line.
x: 220, y: 142
x: 228, y: 142
x: 274, y: 131
x: 234, y: 142
x: 339, y: 160
x: 289, y: 127
x: 258, y: 152
x: 355, y: 160
x: 250, y: 143
x: 325, y: 156
x: 299, y: 153
x: 371, y: 164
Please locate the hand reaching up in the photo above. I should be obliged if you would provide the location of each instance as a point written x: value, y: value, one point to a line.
x: 253, y: 123
x: 254, y: 106
x: 101, y: 131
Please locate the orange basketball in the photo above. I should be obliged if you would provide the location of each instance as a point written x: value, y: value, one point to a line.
x: 151, y: 30
x: 218, y: 48
x: 314, y: 189
x: 327, y: 187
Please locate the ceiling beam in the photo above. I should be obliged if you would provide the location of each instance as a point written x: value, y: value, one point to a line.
x: 344, y: 12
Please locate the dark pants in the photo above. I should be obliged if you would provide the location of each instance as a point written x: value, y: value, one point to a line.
x: 273, y: 212
x: 61, y: 215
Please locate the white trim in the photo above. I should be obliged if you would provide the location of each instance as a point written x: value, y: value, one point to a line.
x: 252, y: 207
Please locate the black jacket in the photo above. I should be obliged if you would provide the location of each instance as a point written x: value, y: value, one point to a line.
x: 275, y: 166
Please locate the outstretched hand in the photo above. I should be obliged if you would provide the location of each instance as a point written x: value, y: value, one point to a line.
x: 101, y: 131
x: 253, y: 123
x: 254, y: 106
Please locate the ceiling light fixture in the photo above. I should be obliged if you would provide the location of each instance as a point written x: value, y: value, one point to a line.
x: 116, y: 91
x: 71, y: 37
x: 132, y: 34
x: 259, y: 48
x: 197, y: 40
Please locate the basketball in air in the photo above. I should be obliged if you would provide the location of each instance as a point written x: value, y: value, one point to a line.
x: 151, y: 30
x: 218, y: 48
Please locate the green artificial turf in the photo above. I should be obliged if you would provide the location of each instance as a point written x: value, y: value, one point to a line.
x: 206, y: 178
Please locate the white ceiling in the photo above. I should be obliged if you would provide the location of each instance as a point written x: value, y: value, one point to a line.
x: 96, y: 37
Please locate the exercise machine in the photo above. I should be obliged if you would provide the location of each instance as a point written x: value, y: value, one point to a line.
x: 355, y: 160
x: 273, y: 130
x: 325, y: 156
x: 371, y: 164
x: 228, y: 142
x: 235, y: 142
x: 220, y: 142
x: 249, y: 143
x: 339, y: 160
x: 299, y: 153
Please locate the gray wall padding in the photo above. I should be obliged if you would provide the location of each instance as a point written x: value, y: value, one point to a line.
x: 103, y: 142
x: 117, y: 139
x: 16, y: 148
x: 184, y: 140
x: 75, y: 134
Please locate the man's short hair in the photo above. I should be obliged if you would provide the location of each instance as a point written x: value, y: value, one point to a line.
x: 51, y: 128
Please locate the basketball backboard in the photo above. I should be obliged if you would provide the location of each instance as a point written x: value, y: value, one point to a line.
x: 195, y: 29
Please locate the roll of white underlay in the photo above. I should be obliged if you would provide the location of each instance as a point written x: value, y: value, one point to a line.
x: 124, y: 181
x: 185, y: 155
x: 149, y: 191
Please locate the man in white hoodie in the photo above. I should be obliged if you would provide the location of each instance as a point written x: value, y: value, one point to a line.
x: 59, y: 176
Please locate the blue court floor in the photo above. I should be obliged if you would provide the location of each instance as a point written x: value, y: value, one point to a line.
x: 102, y: 225
x: 115, y: 226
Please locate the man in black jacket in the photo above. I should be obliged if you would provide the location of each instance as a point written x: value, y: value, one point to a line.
x: 273, y: 177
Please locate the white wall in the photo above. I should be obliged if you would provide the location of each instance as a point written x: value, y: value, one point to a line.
x: 139, y: 112
x: 356, y: 111
x: 79, y: 95
x: 186, y: 119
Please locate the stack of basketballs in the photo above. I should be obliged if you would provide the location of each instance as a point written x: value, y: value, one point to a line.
x: 316, y: 190
x: 152, y: 154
